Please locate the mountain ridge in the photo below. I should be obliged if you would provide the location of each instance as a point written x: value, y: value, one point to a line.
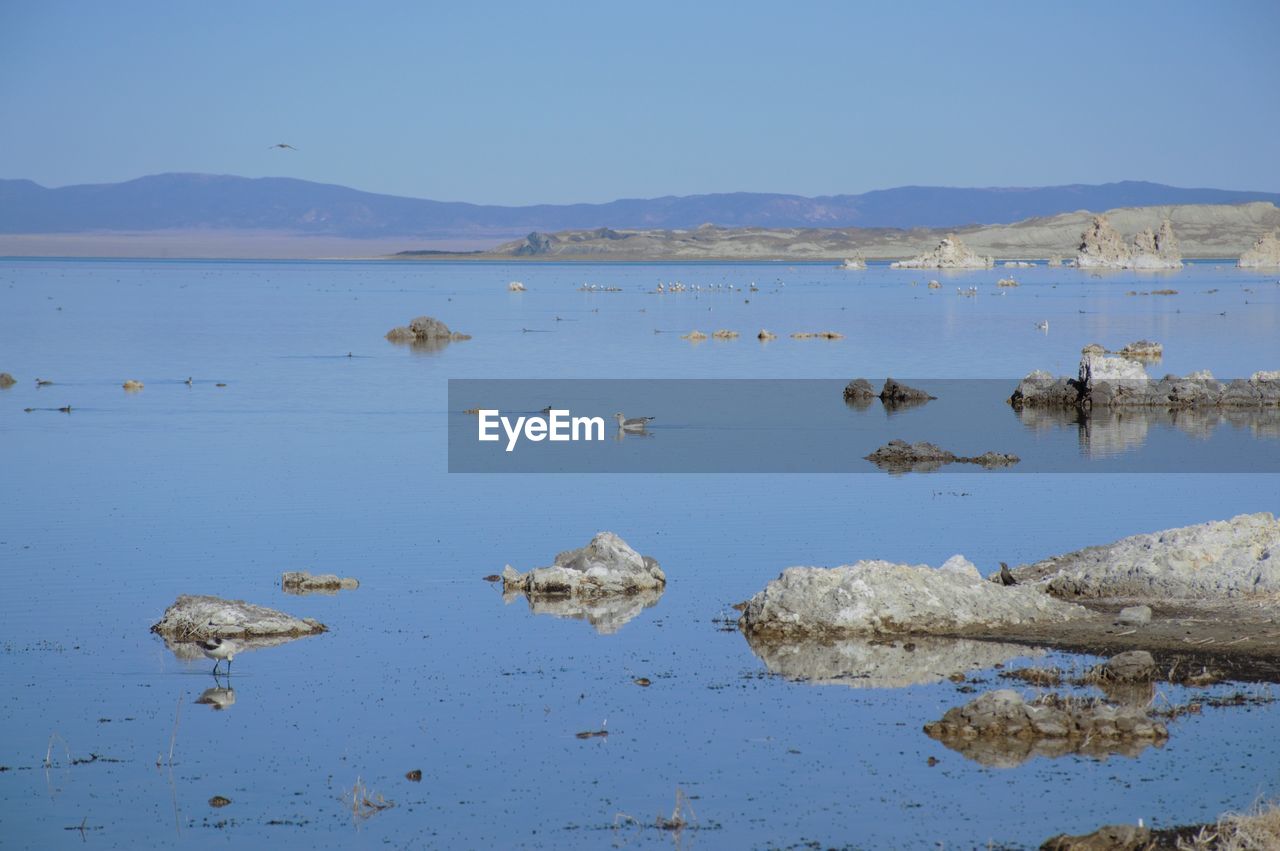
x: 187, y: 200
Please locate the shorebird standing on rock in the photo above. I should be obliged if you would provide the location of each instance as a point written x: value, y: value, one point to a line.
x: 218, y: 649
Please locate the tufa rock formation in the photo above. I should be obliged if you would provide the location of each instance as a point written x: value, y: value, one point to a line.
x: 1001, y: 728
x: 1265, y: 253
x: 1120, y: 382
x: 425, y: 331
x: 1101, y: 247
x: 876, y: 597
x: 1221, y: 559
x: 195, y: 616
x: 605, y: 566
x: 950, y: 253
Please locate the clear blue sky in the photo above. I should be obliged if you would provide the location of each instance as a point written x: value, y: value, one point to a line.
x: 556, y: 102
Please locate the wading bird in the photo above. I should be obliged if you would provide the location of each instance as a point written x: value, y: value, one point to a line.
x: 218, y: 649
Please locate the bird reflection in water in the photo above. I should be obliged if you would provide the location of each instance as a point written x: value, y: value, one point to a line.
x: 219, y: 697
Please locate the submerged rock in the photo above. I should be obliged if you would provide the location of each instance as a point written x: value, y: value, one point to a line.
x: 302, y: 582
x: 606, y: 566
x: 1142, y: 350
x: 6, y: 381
x: 606, y: 615
x: 1265, y: 253
x: 1001, y: 728
x: 765, y: 335
x: 724, y: 334
x: 874, y: 597
x: 880, y: 663
x: 950, y: 253
x: 425, y: 330
x: 898, y: 456
x: 132, y: 386
x: 195, y: 616
x: 1224, y: 558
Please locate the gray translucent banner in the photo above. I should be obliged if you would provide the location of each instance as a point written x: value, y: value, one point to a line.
x: 809, y: 426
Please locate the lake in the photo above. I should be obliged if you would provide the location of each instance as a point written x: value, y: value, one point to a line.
x: 327, y: 451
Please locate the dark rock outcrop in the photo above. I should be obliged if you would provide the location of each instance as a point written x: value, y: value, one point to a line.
x: 898, y: 456
x: 897, y: 393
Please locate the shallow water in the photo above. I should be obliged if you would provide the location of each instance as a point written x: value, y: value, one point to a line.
x: 310, y: 459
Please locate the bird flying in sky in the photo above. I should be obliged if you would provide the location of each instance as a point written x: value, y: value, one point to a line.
x: 283, y: 145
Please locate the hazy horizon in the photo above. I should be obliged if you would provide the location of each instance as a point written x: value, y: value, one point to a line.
x: 588, y: 104
x: 994, y: 187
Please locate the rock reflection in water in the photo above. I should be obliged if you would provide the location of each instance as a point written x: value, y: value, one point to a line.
x: 1012, y: 751
x: 190, y: 650
x: 883, y: 663
x: 606, y: 615
x: 1105, y: 432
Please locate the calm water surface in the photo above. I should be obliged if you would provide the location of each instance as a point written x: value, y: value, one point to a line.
x: 310, y: 459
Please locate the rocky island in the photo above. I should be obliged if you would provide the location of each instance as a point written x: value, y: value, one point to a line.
x: 1101, y: 247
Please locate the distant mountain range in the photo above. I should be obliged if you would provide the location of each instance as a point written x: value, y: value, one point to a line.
x: 168, y: 202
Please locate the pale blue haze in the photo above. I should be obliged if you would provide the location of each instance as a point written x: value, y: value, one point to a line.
x: 521, y: 103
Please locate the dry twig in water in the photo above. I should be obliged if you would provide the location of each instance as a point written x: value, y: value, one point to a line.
x: 365, y: 802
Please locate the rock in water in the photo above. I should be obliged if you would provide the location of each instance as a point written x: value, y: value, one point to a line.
x: 1265, y: 253
x: 302, y: 582
x: 859, y: 390
x: 193, y: 616
x: 950, y: 253
x: 427, y: 331
x: 605, y: 566
x: 1002, y: 728
x: 1142, y: 350
x: 898, y: 456
x: 1119, y: 382
x: 1132, y: 666
x: 1101, y: 247
x: 6, y: 381
x: 897, y: 393
x: 872, y: 597
x: 1222, y: 559
x: 857, y: 261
